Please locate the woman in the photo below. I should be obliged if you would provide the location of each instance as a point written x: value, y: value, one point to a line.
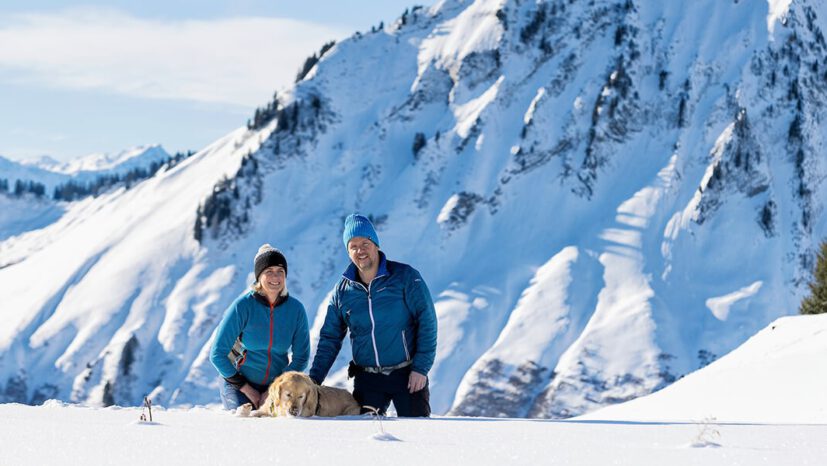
x: 252, y: 341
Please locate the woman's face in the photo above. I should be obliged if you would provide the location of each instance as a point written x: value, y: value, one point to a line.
x: 272, y: 280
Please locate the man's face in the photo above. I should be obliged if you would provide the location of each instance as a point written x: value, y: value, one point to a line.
x: 363, y: 253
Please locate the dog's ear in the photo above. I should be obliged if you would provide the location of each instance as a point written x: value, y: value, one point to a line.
x: 275, y: 398
x: 312, y: 400
x: 271, y: 408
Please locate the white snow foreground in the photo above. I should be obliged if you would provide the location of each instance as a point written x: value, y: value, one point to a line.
x: 777, y: 376
x: 762, y: 404
x: 56, y: 433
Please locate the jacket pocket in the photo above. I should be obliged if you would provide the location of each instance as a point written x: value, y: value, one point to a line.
x: 237, y: 353
x: 358, y: 322
x: 405, y: 345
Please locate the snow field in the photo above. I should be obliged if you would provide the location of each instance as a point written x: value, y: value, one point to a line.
x: 65, y: 434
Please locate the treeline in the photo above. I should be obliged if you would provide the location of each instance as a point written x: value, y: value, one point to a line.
x: 311, y: 61
x: 264, y: 115
x: 217, y: 208
x: 74, y: 190
x: 22, y: 188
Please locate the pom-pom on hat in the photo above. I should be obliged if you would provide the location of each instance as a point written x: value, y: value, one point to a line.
x: 268, y: 256
x: 359, y: 225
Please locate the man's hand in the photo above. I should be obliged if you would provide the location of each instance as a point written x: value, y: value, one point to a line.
x: 252, y: 394
x: 416, y: 382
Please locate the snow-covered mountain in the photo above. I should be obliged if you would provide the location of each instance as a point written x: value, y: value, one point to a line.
x: 31, y: 186
x: 121, y: 162
x: 51, y: 173
x: 602, y: 195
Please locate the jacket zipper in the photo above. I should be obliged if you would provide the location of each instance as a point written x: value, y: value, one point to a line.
x: 372, y: 321
x: 269, y: 346
x: 405, y: 345
x: 373, y: 325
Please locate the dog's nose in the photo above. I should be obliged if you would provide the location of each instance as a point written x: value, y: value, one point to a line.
x: 294, y: 411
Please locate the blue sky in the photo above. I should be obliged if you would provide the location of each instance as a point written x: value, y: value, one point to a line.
x: 84, y: 77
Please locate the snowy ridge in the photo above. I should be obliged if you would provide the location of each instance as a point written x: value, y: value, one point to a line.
x: 777, y: 376
x: 83, y: 170
x: 593, y: 192
x: 518, y: 362
x: 27, y: 211
x: 140, y: 156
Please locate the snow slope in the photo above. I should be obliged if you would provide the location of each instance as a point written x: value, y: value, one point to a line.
x: 20, y: 214
x: 602, y: 196
x: 778, y: 374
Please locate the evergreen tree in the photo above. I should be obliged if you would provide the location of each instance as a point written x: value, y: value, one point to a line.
x: 198, y: 229
x: 816, y: 303
x: 38, y: 189
x: 29, y: 187
x: 309, y: 63
x: 329, y: 45
x: 418, y: 144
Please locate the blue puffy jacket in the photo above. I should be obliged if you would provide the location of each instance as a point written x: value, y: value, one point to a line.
x: 390, y: 321
x: 265, y: 333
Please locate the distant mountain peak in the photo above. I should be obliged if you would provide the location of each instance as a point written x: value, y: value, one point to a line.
x: 99, y: 162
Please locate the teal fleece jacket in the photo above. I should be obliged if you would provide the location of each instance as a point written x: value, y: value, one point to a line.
x: 266, y: 334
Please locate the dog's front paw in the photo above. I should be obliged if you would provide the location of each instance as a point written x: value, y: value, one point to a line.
x: 244, y: 410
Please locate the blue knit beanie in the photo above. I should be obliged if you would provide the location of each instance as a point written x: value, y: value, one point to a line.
x: 359, y: 225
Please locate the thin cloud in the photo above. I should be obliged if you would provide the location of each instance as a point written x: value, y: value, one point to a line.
x: 235, y: 60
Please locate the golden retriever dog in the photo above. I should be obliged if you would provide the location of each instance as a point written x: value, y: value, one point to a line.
x: 295, y: 394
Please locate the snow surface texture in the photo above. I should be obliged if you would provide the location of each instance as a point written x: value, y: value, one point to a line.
x: 602, y: 197
x: 58, y: 434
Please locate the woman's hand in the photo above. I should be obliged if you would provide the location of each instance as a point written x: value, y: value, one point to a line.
x: 252, y: 394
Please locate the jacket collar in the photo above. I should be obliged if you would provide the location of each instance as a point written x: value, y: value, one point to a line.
x: 352, y: 273
x: 263, y: 299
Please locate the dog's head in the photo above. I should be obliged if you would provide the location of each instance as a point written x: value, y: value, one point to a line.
x: 294, y: 394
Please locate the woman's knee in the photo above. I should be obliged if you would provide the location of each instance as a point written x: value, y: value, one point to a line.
x: 231, y: 396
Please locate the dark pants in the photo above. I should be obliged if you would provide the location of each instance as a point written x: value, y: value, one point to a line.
x: 378, y: 390
x: 231, y: 396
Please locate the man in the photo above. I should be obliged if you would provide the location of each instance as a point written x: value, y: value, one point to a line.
x: 390, y: 314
